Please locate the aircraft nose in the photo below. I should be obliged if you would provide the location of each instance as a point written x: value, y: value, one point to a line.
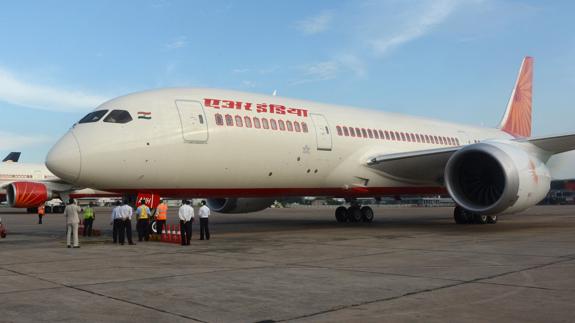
x: 64, y: 159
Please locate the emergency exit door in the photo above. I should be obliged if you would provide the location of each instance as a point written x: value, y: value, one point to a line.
x: 193, y: 120
x: 322, y: 133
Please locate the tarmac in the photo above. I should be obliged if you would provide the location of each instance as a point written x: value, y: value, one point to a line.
x: 298, y: 264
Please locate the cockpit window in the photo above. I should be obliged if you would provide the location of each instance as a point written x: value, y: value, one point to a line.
x: 93, y: 116
x: 118, y: 116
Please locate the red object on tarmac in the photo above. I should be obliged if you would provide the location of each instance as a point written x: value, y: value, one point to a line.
x: 3, y: 231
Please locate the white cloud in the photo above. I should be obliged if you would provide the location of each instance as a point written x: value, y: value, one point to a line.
x: 417, y: 25
x: 179, y: 42
x: 10, y: 140
x: 316, y: 24
x: 330, y: 69
x: 19, y: 92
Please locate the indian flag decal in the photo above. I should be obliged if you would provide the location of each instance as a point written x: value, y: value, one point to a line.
x: 144, y: 115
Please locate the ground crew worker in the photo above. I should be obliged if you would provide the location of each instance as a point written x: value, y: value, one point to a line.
x: 126, y: 226
x: 89, y: 217
x: 143, y: 213
x: 204, y: 213
x: 41, y: 212
x: 72, y: 221
x: 186, y: 214
x: 161, y: 216
x: 116, y: 222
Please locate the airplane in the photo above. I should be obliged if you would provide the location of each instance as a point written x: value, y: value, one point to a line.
x: 29, y: 185
x: 243, y: 150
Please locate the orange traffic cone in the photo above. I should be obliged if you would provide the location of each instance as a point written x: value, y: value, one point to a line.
x: 164, y: 237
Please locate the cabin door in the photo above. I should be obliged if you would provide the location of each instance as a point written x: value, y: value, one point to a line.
x: 322, y: 133
x: 193, y: 120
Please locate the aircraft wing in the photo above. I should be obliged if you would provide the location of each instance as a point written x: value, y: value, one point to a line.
x: 427, y: 166
x: 419, y: 166
x: 553, y: 144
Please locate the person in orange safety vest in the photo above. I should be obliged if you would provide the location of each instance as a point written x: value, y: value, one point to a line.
x: 161, y: 216
x: 41, y: 212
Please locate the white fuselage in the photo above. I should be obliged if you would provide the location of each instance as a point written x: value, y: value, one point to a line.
x: 176, y: 146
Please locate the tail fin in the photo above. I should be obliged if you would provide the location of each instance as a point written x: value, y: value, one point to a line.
x: 12, y: 157
x: 517, y: 118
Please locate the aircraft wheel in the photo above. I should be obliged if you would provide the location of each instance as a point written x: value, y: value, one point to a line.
x: 354, y: 214
x: 341, y: 214
x: 480, y: 218
x: 492, y: 219
x: 459, y: 215
x: 366, y: 214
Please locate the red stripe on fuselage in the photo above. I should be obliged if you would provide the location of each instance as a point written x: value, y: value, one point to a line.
x: 275, y: 192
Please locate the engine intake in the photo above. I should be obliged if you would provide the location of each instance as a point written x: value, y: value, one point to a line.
x: 239, y: 205
x: 27, y: 194
x: 495, y: 177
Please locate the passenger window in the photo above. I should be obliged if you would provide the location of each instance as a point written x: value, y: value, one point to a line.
x: 248, y: 122
x: 201, y: 118
x: 351, y: 132
x: 387, y: 135
x: 338, y: 130
x: 369, y: 133
x: 345, y: 131
x: 403, y: 136
x: 282, y: 125
x: 93, y: 116
x: 304, y: 127
x: 381, y: 135
x: 289, y: 125
x: 364, y: 133
x: 219, y: 119
x: 296, y: 126
x: 417, y: 137
x: 358, y: 132
x: 118, y: 116
x: 375, y: 134
x: 265, y: 123
x: 229, y: 120
x: 257, y: 123
x: 326, y: 130
x: 274, y: 124
x: 239, y: 122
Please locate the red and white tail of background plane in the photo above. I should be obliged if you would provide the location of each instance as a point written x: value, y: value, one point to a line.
x: 242, y: 150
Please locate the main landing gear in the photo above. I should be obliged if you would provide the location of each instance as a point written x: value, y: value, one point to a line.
x: 462, y: 216
x: 354, y: 213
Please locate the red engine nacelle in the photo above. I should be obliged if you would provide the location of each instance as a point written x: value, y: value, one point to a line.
x: 27, y: 194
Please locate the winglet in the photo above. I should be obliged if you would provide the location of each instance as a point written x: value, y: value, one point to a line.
x: 517, y: 118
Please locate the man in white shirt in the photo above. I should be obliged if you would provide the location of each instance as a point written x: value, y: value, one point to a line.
x: 186, y: 214
x: 116, y: 221
x: 125, y: 212
x: 72, y: 221
x: 204, y: 213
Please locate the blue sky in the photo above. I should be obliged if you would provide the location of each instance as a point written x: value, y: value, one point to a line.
x: 448, y: 59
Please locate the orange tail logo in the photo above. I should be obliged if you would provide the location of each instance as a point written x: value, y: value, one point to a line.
x: 517, y: 118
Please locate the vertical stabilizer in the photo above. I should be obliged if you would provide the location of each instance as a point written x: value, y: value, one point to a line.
x: 517, y: 118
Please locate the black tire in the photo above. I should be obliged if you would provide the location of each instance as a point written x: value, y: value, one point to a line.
x: 492, y: 219
x: 341, y: 214
x: 354, y: 214
x: 480, y: 218
x: 459, y: 215
x: 367, y: 214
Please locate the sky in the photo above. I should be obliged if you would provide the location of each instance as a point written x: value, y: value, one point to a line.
x: 455, y: 60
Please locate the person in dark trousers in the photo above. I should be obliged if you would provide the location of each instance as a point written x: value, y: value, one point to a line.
x: 41, y: 212
x: 143, y: 215
x: 116, y: 222
x: 89, y: 217
x: 126, y: 226
x: 186, y: 214
x: 204, y: 213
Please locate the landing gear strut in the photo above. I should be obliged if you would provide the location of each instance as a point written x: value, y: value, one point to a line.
x: 354, y: 213
x: 463, y: 216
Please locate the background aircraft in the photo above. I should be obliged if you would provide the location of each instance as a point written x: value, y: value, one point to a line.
x: 243, y: 150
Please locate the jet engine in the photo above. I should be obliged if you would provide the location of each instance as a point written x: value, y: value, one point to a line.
x: 239, y: 205
x: 27, y: 194
x: 496, y: 177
